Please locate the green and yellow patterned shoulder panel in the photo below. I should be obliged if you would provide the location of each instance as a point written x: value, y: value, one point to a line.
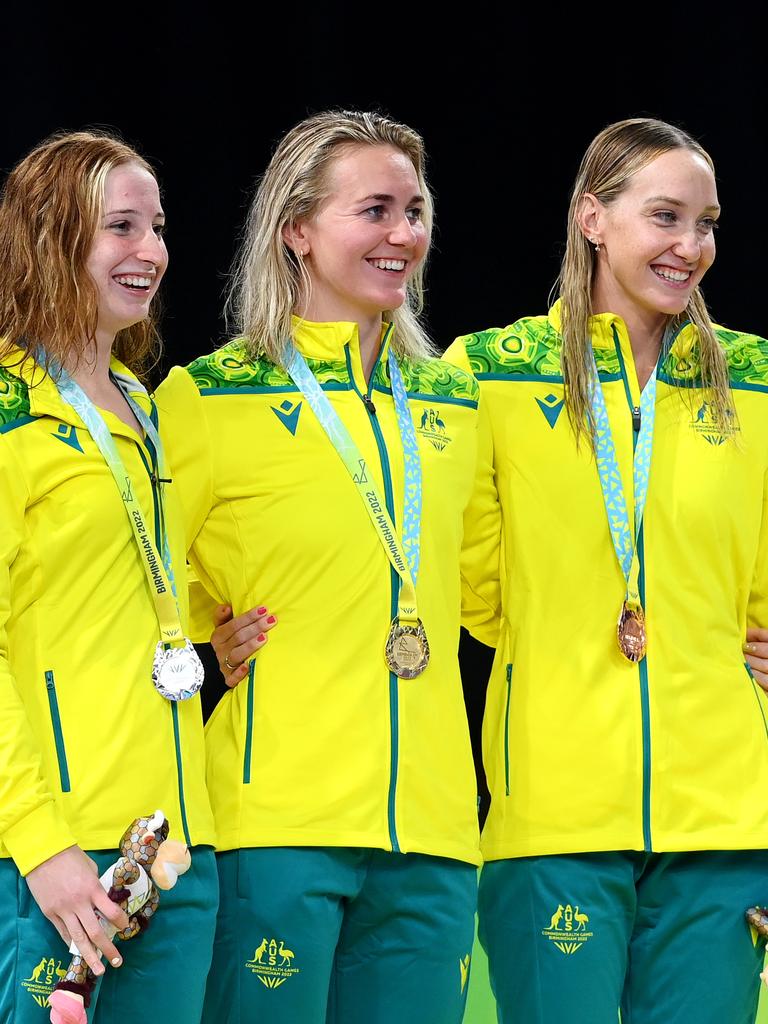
x: 747, y: 356
x: 530, y: 347
x: 232, y: 368
x: 14, y: 398
x: 434, y: 378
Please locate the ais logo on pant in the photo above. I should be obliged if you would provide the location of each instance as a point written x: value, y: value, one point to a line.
x: 272, y: 963
x: 42, y: 978
x: 568, y: 928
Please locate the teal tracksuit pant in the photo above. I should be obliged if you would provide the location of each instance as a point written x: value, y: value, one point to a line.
x: 571, y: 939
x: 164, y: 969
x: 341, y: 936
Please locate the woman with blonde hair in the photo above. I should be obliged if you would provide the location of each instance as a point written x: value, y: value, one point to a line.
x: 92, y: 596
x: 324, y: 458
x: 618, y: 559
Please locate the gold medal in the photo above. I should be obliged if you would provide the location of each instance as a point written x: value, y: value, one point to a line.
x: 630, y: 632
x: 407, y: 649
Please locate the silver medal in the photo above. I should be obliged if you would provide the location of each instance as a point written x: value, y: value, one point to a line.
x: 177, y: 672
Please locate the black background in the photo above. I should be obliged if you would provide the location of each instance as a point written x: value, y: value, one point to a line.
x: 507, y: 100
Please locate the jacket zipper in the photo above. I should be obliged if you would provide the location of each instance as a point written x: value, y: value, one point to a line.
x: 157, y: 506
x: 642, y: 667
x: 394, y: 589
x: 506, y: 728
x: 58, y: 735
x: 249, y: 725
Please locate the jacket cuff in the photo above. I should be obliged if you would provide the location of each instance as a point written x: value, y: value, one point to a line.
x: 39, y: 835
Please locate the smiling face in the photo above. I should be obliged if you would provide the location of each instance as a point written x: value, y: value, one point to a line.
x: 656, y: 238
x: 128, y: 256
x: 366, y: 239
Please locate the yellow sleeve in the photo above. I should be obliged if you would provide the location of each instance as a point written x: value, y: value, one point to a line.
x: 481, y: 548
x: 31, y: 827
x: 201, y: 608
x: 189, y: 450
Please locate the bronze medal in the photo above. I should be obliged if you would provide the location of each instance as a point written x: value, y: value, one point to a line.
x: 630, y: 632
x: 407, y: 649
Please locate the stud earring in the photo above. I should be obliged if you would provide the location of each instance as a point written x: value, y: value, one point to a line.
x: 596, y: 244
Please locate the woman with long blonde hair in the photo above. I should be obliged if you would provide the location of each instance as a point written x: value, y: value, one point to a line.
x: 618, y: 561
x: 324, y: 458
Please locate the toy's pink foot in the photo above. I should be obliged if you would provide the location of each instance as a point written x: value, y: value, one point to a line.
x: 67, y: 1008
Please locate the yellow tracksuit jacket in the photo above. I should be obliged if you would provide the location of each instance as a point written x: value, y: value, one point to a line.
x: 321, y: 745
x: 86, y: 742
x: 583, y: 750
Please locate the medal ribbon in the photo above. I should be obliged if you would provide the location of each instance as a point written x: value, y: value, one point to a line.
x: 403, y: 555
x: 158, y: 569
x: 624, y: 543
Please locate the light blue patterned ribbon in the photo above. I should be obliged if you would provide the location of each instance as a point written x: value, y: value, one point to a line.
x: 404, y: 555
x: 624, y: 543
x: 412, y: 468
x: 159, y: 570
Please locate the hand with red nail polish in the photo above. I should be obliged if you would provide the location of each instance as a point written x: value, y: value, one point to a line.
x: 756, y: 655
x: 236, y: 638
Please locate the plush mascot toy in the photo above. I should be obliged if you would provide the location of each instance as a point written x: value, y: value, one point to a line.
x: 757, y: 917
x: 149, y: 861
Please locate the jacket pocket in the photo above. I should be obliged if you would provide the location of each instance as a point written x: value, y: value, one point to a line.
x: 58, y: 735
x: 506, y: 728
x: 249, y: 725
x: 758, y: 698
x: 23, y: 898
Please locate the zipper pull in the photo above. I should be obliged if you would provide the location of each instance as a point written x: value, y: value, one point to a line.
x: 369, y: 405
x: 636, y: 419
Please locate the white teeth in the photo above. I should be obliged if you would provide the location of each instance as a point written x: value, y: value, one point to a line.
x: 672, y: 275
x: 134, y: 281
x: 389, y: 264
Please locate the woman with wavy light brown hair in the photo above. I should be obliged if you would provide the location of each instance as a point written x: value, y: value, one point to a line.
x: 92, y: 597
x: 618, y: 561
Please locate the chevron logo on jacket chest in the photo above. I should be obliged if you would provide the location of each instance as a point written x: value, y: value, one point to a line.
x: 288, y: 414
x: 551, y: 406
